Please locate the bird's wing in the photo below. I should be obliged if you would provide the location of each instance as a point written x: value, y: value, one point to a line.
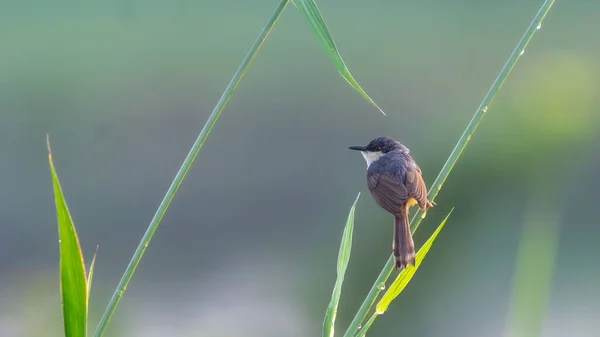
x: 388, y: 191
x: 415, y: 186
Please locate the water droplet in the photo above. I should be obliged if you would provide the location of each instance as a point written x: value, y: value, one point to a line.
x: 538, y: 26
x: 424, y: 215
x: 59, y: 241
x: 468, y: 138
x: 359, y: 327
x: 382, y: 286
x: 522, y: 52
x: 484, y: 110
x: 146, y: 245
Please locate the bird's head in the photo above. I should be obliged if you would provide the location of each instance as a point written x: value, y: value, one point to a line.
x: 378, y: 147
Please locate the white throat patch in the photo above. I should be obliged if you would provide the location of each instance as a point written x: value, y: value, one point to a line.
x: 371, y: 157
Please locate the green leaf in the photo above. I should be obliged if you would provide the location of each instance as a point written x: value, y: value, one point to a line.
x: 342, y: 264
x: 91, y: 274
x: 72, y: 270
x: 407, y: 273
x: 312, y: 13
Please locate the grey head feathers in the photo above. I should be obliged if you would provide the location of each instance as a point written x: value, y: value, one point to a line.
x: 378, y: 147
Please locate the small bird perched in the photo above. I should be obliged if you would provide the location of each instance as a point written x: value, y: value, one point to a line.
x: 396, y: 184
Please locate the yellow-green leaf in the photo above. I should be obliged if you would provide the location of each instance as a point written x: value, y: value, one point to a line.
x: 91, y: 275
x: 311, y: 11
x: 72, y: 269
x: 342, y: 264
x: 407, y: 273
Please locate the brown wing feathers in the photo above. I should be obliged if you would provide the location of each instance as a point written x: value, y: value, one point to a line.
x: 392, y: 187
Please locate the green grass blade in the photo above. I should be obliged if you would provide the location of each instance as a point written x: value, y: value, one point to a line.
x: 311, y: 11
x: 91, y: 274
x: 367, y: 325
x: 342, y: 264
x: 462, y: 143
x: 407, y: 273
x: 185, y: 166
x: 72, y: 269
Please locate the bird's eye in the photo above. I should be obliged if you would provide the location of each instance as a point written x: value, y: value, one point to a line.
x: 378, y: 149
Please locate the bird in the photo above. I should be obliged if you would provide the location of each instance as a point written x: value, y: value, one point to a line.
x: 396, y: 183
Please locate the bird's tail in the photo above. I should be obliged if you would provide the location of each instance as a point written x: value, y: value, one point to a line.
x: 403, y: 245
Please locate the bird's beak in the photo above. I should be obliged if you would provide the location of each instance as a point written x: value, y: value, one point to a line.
x: 357, y: 148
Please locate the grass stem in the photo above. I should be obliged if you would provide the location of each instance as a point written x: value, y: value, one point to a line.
x: 185, y: 166
x: 462, y: 143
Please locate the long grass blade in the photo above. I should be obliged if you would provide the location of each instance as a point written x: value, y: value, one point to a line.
x: 313, y: 15
x: 342, y: 264
x: 462, y: 143
x: 73, y: 285
x: 185, y: 166
x: 365, y: 328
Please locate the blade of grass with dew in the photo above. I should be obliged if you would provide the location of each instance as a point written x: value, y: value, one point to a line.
x: 342, y: 264
x: 73, y: 286
x: 462, y: 143
x: 311, y: 11
x: 185, y: 166
x: 367, y: 325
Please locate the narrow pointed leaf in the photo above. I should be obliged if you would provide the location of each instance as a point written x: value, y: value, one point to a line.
x: 342, y: 264
x: 72, y: 270
x: 91, y: 274
x: 311, y: 11
x: 407, y: 273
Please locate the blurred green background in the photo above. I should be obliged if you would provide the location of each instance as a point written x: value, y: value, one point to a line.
x: 250, y: 243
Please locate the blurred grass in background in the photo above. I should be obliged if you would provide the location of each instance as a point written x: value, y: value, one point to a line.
x: 123, y: 88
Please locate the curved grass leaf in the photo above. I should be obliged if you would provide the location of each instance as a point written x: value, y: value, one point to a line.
x: 91, y: 274
x: 72, y: 270
x: 311, y: 11
x: 407, y: 273
x: 342, y: 264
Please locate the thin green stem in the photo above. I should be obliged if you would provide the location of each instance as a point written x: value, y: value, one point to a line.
x: 453, y: 158
x: 362, y: 333
x: 185, y: 166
